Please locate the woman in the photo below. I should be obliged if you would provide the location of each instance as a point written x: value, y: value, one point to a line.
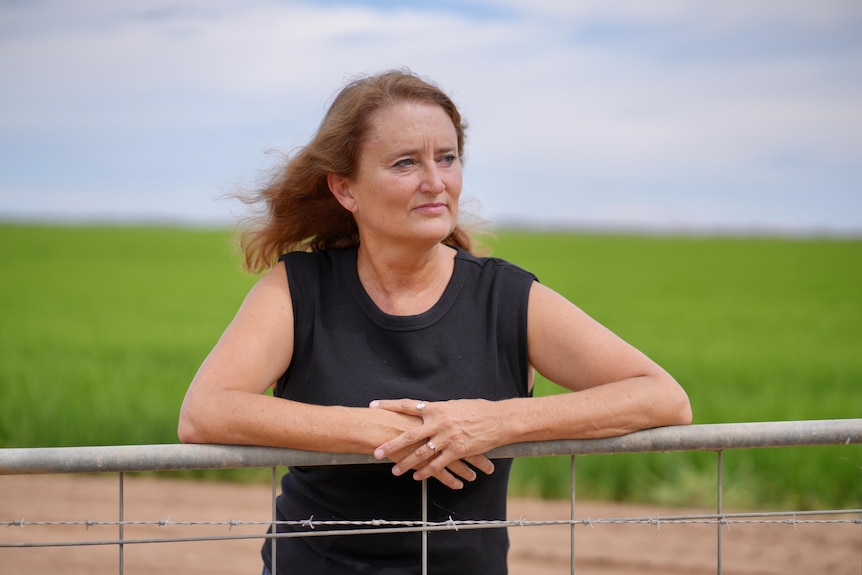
x: 384, y: 335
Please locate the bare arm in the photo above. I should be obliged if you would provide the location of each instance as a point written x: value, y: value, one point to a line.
x: 225, y: 402
x: 616, y: 390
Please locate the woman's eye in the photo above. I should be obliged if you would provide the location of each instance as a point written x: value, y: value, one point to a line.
x: 405, y: 163
x: 448, y: 159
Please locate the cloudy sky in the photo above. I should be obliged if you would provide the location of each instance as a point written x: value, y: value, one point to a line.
x: 661, y: 114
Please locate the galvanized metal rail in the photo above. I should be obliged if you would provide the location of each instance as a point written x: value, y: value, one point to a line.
x: 176, y: 457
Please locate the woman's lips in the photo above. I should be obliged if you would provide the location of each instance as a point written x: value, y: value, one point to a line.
x: 434, y: 208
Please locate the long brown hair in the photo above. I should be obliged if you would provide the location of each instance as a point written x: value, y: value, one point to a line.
x: 296, y: 209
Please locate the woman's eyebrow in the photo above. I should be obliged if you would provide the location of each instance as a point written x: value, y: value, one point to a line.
x: 418, y: 150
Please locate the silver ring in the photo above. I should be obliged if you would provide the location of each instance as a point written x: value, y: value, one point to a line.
x: 432, y: 447
x: 420, y: 407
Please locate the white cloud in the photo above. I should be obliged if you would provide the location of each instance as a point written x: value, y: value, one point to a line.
x: 564, y: 98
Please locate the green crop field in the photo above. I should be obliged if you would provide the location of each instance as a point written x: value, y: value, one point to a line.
x: 103, y: 327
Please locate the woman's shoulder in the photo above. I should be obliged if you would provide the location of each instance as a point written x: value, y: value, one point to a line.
x: 310, y: 270
x: 327, y: 257
x: 492, y: 265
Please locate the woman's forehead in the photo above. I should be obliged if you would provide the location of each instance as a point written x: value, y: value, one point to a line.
x: 405, y: 122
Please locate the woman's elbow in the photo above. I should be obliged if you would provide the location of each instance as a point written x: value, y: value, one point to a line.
x: 679, y: 407
x: 187, y: 430
x: 684, y: 415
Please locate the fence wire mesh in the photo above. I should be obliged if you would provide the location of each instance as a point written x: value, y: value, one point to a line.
x: 120, y: 459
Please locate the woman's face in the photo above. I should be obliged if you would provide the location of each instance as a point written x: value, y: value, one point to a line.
x: 408, y: 178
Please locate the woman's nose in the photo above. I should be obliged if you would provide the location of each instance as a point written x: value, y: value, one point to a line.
x: 432, y: 180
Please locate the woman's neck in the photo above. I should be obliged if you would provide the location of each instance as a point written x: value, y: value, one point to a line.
x: 402, y: 281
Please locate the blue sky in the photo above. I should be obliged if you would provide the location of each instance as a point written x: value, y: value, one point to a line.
x: 661, y: 114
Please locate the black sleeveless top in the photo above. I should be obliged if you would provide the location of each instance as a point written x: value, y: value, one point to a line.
x: 471, y: 344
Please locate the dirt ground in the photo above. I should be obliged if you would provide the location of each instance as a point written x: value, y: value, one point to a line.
x: 619, y: 549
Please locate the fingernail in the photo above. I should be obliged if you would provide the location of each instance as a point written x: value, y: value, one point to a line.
x: 374, y: 403
x: 379, y: 453
x: 396, y: 470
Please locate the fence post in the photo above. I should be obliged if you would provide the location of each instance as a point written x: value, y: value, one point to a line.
x: 121, y: 526
x: 274, y: 519
x: 424, y: 527
x: 720, y: 508
x: 572, y: 526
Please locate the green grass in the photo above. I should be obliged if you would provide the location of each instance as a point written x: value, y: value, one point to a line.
x: 103, y: 327
x: 755, y: 329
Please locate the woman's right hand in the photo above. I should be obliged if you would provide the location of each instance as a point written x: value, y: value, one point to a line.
x: 422, y: 453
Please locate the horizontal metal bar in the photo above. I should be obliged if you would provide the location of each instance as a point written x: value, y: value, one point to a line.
x: 174, y: 457
x: 162, y: 457
x: 708, y: 437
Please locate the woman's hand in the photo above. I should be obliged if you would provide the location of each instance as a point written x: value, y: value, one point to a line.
x: 452, y: 435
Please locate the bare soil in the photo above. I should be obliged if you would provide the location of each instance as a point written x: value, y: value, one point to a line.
x: 618, y: 549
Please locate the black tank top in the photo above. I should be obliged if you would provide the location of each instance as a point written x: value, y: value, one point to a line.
x: 471, y: 344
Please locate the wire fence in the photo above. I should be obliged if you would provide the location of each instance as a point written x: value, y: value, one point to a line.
x: 716, y: 438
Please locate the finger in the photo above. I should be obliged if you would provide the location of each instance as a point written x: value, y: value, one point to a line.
x: 433, y: 466
x: 456, y: 466
x: 409, y: 438
x: 462, y: 470
x: 448, y: 480
x: 481, y: 463
x: 406, y: 406
x: 402, y: 454
x: 416, y: 459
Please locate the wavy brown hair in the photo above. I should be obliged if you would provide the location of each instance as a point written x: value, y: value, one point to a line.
x: 296, y: 209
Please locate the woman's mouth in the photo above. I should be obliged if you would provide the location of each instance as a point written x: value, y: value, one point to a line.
x: 431, y: 208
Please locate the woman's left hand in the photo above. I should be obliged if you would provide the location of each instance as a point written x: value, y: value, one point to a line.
x: 453, y: 434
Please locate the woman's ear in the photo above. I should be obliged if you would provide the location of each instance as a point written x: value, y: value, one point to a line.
x: 340, y: 188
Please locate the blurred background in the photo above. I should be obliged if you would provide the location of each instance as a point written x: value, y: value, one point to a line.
x: 734, y: 116
x: 679, y: 123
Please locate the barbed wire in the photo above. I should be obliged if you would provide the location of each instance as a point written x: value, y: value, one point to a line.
x: 316, y: 528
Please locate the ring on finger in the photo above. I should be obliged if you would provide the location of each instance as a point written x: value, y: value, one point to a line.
x: 420, y: 407
x: 432, y: 447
